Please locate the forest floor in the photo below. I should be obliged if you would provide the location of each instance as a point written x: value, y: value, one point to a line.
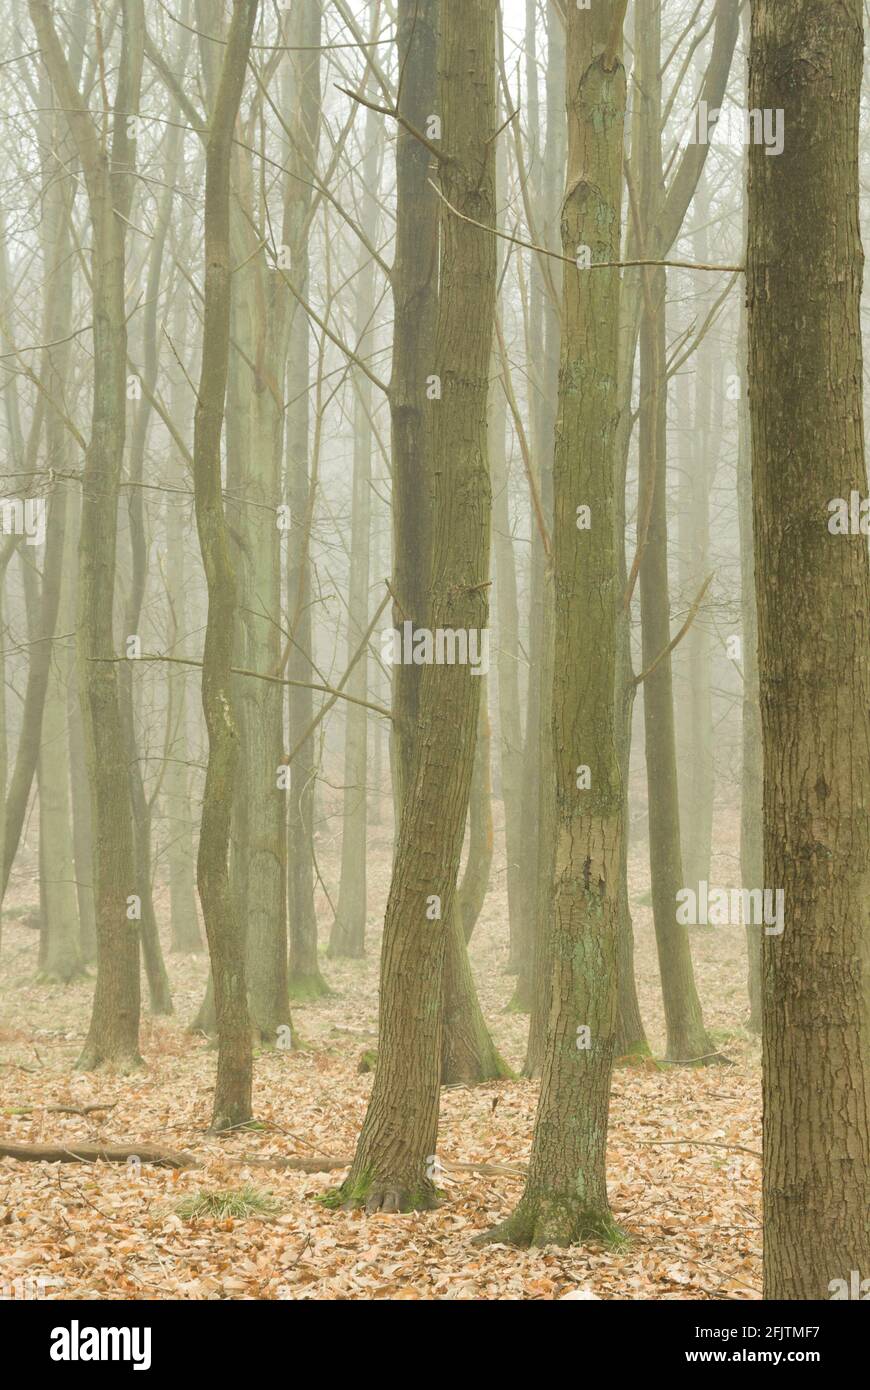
x: 691, y: 1212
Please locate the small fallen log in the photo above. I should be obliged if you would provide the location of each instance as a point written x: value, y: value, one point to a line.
x: 97, y: 1153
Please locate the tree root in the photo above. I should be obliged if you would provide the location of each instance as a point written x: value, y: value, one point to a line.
x: 553, y: 1220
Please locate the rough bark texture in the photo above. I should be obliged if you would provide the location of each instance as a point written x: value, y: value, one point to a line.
x: 415, y: 291
x: 565, y: 1199
x: 804, y: 272
x: 392, y: 1167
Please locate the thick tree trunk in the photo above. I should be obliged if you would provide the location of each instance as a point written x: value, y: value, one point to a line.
x: 804, y: 270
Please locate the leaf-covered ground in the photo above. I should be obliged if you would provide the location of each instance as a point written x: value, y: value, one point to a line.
x: 691, y: 1211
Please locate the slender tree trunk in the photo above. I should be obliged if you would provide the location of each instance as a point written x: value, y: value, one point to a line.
x: 469, y: 1055
x: 63, y: 961
x: 155, y: 969
x: 565, y: 1198
x: 392, y: 1169
x: 232, y: 1099
x: 348, y: 930
x: 415, y: 296
x: 255, y: 432
x: 304, y: 102
x: 804, y: 273
x: 687, y: 1038
x: 113, y: 1036
x: 537, y: 798
x: 183, y: 919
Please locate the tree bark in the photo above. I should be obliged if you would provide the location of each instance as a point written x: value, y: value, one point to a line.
x: 113, y: 1036
x: 804, y: 273
x: 565, y: 1198
x: 232, y: 1098
x: 392, y: 1168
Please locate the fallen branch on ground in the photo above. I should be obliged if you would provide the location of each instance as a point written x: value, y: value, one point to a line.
x: 97, y: 1153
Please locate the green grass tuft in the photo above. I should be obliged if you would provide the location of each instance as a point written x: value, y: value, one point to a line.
x: 238, y: 1204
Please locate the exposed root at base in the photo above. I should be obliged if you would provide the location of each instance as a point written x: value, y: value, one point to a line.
x: 561, y: 1221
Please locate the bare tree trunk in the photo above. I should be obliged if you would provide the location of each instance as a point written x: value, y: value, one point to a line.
x: 687, y: 1038
x: 537, y: 798
x: 183, y: 918
x: 392, y: 1167
x: 469, y: 1055
x: 304, y: 101
x: 348, y: 930
x: 565, y: 1198
x: 232, y: 1099
x: 804, y: 272
x: 113, y: 1036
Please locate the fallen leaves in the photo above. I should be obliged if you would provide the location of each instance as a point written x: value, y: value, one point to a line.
x: 681, y: 1182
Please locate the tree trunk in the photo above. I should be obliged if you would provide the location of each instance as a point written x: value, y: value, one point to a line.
x: 255, y: 434
x: 347, y: 938
x: 687, y: 1038
x: 537, y: 798
x: 113, y: 1036
x: 804, y: 270
x: 565, y: 1198
x: 469, y: 1054
x: 392, y: 1168
x: 304, y: 103
x: 232, y: 1098
x: 183, y: 918
x: 752, y: 771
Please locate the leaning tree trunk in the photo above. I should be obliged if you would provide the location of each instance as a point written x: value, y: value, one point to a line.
x: 804, y: 270
x: 565, y: 1198
x: 232, y: 1098
x: 392, y: 1168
